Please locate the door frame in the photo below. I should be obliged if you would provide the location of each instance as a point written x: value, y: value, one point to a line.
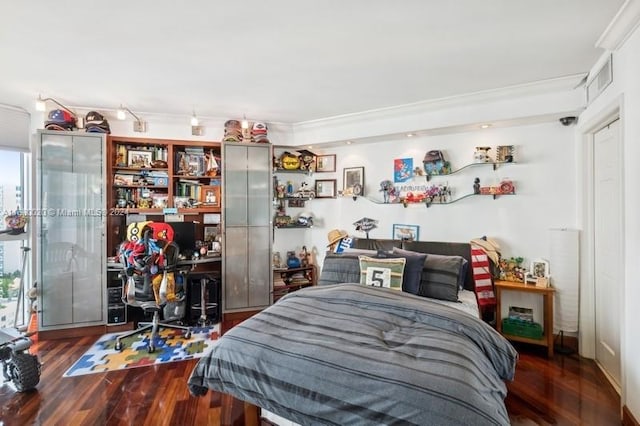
x: 585, y: 167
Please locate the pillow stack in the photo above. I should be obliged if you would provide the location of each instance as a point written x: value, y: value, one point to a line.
x: 423, y: 274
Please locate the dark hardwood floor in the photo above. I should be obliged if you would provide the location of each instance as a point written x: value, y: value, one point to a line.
x: 566, y: 390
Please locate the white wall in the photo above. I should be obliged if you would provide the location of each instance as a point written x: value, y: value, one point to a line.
x: 624, y: 92
x: 544, y: 176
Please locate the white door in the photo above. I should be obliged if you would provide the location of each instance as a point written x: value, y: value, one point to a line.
x: 608, y: 239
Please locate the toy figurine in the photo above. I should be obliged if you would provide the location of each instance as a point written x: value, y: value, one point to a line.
x: 476, y: 186
x: 304, y: 256
x: 386, y: 186
x: 292, y: 260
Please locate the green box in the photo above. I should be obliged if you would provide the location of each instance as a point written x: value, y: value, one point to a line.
x: 516, y: 327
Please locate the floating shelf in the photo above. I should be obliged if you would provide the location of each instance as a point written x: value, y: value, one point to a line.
x: 494, y: 164
x: 429, y: 204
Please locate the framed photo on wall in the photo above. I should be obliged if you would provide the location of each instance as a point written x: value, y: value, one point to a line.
x: 325, y: 188
x: 326, y: 163
x: 406, y: 232
x: 353, y: 181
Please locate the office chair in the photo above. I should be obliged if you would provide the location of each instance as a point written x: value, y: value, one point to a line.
x: 149, y: 268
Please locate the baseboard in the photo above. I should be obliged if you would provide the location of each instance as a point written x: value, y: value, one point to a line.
x: 66, y: 333
x: 627, y: 417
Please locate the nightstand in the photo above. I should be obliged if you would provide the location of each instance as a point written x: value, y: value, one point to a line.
x: 547, y: 294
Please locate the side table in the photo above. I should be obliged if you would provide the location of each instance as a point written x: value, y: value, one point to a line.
x: 547, y: 294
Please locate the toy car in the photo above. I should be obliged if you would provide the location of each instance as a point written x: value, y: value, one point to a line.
x: 18, y: 365
x: 304, y: 192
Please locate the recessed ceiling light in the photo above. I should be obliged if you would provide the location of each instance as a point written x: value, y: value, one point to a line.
x: 485, y: 126
x: 349, y: 142
x: 310, y: 147
x: 410, y: 135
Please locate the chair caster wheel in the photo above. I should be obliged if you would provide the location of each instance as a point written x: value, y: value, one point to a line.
x: 118, y: 346
x: 151, y: 349
x: 187, y: 335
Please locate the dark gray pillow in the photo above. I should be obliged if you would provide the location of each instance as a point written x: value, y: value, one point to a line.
x: 412, y: 269
x: 340, y: 268
x: 440, y: 277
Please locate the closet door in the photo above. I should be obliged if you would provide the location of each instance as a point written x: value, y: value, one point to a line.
x: 247, y: 226
x: 70, y: 229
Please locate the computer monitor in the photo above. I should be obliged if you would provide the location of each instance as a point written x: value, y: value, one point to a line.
x: 185, y: 236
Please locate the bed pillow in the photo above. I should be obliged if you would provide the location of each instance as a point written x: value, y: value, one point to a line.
x: 382, y: 272
x: 441, y: 276
x: 339, y: 268
x: 412, y: 269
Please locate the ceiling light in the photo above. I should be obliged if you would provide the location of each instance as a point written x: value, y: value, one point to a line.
x: 194, y: 120
x: 244, y: 124
x: 410, y: 135
x: 40, y: 104
x: 138, y: 125
x: 121, y: 114
x: 485, y: 126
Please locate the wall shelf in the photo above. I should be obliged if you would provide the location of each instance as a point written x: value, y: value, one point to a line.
x: 429, y: 204
x: 494, y: 164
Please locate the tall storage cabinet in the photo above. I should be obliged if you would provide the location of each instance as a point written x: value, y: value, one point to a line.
x: 247, y: 171
x: 69, y: 200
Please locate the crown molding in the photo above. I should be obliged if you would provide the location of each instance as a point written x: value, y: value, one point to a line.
x: 621, y: 26
x: 566, y: 83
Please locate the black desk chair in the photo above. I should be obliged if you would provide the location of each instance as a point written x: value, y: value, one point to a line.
x: 149, y: 267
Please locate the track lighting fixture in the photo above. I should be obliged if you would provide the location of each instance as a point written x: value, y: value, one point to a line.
x: 138, y: 125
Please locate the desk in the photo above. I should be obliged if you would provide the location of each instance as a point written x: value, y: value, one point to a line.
x: 547, y: 293
x: 202, y: 286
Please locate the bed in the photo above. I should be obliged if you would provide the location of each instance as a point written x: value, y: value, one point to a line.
x: 346, y: 353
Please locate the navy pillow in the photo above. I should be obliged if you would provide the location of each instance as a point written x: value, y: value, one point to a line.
x: 412, y: 269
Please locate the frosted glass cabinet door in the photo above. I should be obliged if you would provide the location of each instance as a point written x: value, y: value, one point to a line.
x: 247, y: 279
x: 70, y: 228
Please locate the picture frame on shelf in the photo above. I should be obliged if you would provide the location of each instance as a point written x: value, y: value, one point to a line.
x: 139, y: 159
x: 539, y: 268
x: 406, y: 232
x: 353, y: 181
x: 326, y: 188
x: 326, y: 163
x: 504, y: 154
x: 210, y: 233
x: 210, y: 195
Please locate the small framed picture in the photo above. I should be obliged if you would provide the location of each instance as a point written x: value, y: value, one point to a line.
x: 504, y: 154
x: 326, y: 163
x: 210, y: 195
x: 210, y: 233
x: 406, y: 232
x: 353, y: 181
x: 539, y: 268
x: 139, y: 159
x: 326, y: 188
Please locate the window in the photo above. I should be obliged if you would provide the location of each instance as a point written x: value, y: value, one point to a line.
x: 14, y: 195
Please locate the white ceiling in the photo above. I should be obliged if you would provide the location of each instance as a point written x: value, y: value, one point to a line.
x: 287, y: 61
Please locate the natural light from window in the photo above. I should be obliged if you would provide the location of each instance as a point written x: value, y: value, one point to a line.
x: 12, y: 193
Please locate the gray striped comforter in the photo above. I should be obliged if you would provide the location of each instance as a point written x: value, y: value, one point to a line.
x: 350, y: 354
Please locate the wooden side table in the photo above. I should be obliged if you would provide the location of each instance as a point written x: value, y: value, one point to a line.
x: 292, y: 279
x: 547, y: 293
